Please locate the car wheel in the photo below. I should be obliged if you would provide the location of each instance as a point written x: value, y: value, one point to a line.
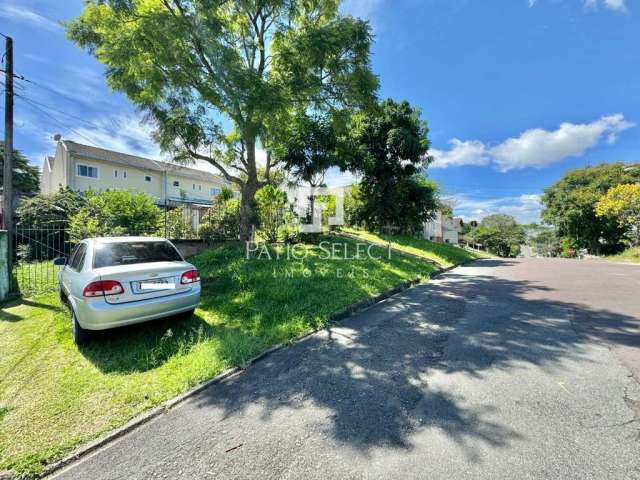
x: 80, y: 335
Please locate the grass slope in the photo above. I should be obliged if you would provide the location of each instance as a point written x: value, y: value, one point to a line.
x: 54, y: 396
x: 629, y: 255
x: 441, y: 253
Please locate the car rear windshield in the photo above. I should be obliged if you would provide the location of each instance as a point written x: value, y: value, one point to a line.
x: 127, y: 253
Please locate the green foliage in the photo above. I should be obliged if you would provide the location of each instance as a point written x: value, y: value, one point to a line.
x: 353, y: 205
x: 622, y: 203
x: 500, y: 234
x: 176, y: 224
x: 390, y: 153
x: 50, y: 210
x: 26, y: 177
x: 271, y: 202
x: 115, y: 212
x: 570, y: 205
x: 222, y: 220
x: 197, y: 66
x: 545, y: 241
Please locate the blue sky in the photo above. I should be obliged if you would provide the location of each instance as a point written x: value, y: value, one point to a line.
x: 515, y: 91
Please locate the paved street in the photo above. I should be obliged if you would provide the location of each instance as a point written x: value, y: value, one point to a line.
x: 501, y: 369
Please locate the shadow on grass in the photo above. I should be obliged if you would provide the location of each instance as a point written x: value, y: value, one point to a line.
x: 369, y: 374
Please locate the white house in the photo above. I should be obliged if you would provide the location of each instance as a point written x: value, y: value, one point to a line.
x: 443, y: 229
x: 83, y: 167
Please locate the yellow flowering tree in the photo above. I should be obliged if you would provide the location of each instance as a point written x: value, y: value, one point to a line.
x: 623, y: 204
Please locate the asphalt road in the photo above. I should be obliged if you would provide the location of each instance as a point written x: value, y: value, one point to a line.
x: 502, y: 369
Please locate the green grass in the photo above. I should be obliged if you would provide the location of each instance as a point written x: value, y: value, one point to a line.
x: 443, y: 254
x: 629, y: 255
x: 36, y: 277
x: 54, y: 396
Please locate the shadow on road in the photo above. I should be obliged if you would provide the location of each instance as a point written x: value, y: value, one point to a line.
x: 370, y: 374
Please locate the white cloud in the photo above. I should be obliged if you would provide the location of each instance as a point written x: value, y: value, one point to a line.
x: 615, y: 5
x: 524, y: 208
x: 361, y: 8
x: 470, y: 152
x: 618, y: 5
x: 536, y: 147
x: 24, y: 15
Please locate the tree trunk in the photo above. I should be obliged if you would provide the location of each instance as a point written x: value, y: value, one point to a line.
x: 248, y: 191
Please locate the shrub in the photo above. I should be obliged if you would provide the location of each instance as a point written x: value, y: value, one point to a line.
x: 271, y: 203
x: 177, y: 223
x: 50, y: 210
x: 222, y: 221
x: 115, y: 212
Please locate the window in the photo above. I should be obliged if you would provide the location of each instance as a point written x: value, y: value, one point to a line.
x: 214, y: 191
x: 199, y: 188
x: 176, y: 183
x: 124, y: 174
x: 77, y: 259
x: 86, y: 171
x: 115, y: 173
x: 147, y: 178
x: 194, y: 186
x: 127, y: 253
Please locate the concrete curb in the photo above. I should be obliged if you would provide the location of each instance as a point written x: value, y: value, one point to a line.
x: 145, y: 417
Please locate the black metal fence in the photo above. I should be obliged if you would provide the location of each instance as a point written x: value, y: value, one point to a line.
x: 36, y: 246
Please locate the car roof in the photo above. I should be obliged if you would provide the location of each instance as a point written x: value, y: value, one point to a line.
x: 126, y: 239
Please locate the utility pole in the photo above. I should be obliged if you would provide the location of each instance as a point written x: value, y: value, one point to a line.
x: 7, y: 187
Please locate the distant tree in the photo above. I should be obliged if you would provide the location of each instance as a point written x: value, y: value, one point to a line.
x: 622, y: 203
x: 570, y: 205
x: 500, y: 234
x: 115, y: 212
x: 389, y: 154
x: 26, y: 177
x: 50, y: 210
x: 196, y: 66
x: 544, y: 240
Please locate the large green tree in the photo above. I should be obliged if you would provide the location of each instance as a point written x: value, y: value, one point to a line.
x: 26, y: 177
x: 220, y: 78
x: 570, y: 205
x: 500, y: 234
x: 389, y: 153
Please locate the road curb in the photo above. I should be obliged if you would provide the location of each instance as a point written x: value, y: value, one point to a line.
x: 145, y: 417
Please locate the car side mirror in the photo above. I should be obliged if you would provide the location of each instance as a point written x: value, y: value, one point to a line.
x: 60, y: 261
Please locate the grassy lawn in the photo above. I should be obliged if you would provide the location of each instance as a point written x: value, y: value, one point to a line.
x: 54, y: 396
x: 629, y: 255
x: 441, y: 253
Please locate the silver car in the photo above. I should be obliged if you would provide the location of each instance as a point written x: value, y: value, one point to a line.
x: 115, y: 281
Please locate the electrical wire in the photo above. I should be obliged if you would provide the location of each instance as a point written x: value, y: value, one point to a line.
x: 61, y: 124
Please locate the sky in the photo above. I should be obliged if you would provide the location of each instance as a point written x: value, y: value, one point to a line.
x: 515, y: 92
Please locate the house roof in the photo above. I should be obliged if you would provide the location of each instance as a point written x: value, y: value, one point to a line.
x: 95, y: 153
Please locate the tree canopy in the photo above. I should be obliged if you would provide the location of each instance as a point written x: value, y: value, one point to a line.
x: 622, y: 203
x: 570, y: 205
x: 389, y: 153
x: 220, y: 78
x: 501, y: 234
x: 26, y: 177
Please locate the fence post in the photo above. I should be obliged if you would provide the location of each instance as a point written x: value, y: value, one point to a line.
x: 5, y: 274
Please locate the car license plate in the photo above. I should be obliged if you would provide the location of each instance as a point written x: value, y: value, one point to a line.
x: 145, y: 286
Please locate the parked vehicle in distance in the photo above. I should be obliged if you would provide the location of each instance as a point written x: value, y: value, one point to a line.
x: 115, y: 281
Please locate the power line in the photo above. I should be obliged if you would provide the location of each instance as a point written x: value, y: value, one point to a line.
x: 44, y: 112
x: 84, y: 120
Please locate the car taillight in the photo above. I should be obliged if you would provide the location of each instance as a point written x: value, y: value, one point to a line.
x: 191, y: 276
x: 102, y: 287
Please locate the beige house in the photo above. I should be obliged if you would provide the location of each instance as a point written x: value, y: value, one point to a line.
x: 443, y: 229
x: 83, y: 167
